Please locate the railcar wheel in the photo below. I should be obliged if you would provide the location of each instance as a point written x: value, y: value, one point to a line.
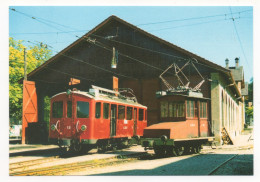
x: 159, y: 150
x: 187, y: 149
x: 102, y: 147
x: 85, y: 149
x: 179, y: 150
x: 196, y: 149
x: 77, y: 147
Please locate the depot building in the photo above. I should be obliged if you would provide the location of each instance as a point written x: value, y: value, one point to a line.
x: 137, y: 58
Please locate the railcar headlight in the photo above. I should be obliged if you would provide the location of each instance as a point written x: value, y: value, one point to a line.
x: 68, y: 92
x: 83, y: 127
x: 53, y: 127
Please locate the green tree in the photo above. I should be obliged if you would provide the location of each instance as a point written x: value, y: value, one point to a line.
x: 35, y: 56
x: 250, y: 111
x: 251, y: 91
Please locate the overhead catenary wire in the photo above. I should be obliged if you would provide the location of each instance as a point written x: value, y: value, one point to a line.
x: 192, y: 18
x: 33, y: 17
x: 187, y: 25
x: 139, y: 47
x: 137, y: 60
x: 239, y: 40
x: 106, y: 49
x: 151, y: 23
x: 79, y: 60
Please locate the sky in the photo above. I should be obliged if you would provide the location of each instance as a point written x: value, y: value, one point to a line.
x: 212, y: 32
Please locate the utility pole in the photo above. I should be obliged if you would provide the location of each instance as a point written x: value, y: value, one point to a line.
x: 24, y: 123
x: 25, y: 65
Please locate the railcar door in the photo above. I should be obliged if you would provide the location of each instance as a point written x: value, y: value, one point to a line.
x: 67, y: 121
x: 135, y: 120
x: 113, y: 120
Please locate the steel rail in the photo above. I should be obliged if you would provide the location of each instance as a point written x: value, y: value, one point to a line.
x: 25, y: 164
x: 216, y: 168
x: 78, y: 166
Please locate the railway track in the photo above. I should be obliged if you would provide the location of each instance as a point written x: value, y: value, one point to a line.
x: 25, y: 168
x: 78, y: 166
x: 18, y: 166
x: 222, y: 164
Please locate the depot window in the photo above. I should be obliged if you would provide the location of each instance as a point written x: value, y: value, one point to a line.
x: 191, y: 108
x: 57, y: 109
x: 98, y: 109
x: 121, y: 112
x: 82, y: 109
x: 69, y: 109
x: 141, y: 114
x: 203, y: 109
x: 129, y: 111
x: 105, y: 110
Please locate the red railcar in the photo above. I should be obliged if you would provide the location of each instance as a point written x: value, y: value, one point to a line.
x: 184, y: 124
x: 101, y: 117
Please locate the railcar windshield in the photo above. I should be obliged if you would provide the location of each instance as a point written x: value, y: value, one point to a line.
x: 57, y: 109
x: 98, y: 109
x: 82, y: 109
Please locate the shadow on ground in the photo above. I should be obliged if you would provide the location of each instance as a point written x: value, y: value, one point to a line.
x: 202, y: 164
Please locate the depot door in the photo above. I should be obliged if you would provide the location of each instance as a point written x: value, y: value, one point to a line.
x: 113, y: 120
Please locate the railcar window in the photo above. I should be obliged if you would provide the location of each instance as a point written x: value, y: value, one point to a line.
x: 145, y: 115
x: 121, y: 112
x: 203, y: 109
x: 69, y: 109
x: 190, y: 108
x: 129, y: 115
x: 105, y: 110
x: 164, y: 109
x: 98, y: 109
x: 82, y: 109
x: 180, y: 109
x: 141, y: 114
x: 57, y: 109
x: 172, y: 109
x: 195, y: 109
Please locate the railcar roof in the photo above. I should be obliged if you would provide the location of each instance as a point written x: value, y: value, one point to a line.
x: 107, y: 98
x: 183, y: 95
